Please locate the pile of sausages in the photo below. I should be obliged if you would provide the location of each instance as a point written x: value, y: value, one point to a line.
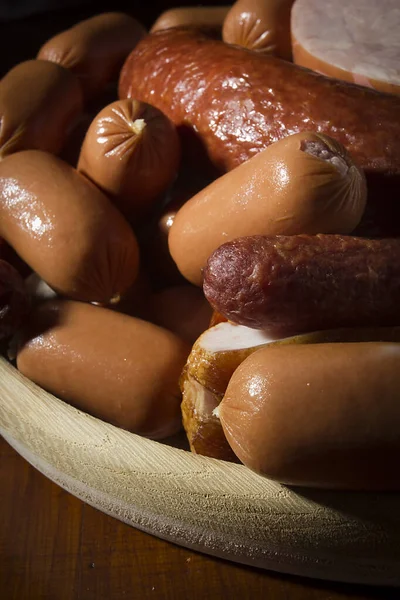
x: 222, y: 166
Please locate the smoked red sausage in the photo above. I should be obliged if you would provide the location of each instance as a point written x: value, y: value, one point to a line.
x: 299, y: 283
x: 239, y: 102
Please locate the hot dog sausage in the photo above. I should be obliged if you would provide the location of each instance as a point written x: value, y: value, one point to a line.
x: 94, y: 49
x: 239, y: 101
x: 65, y: 228
x: 13, y: 299
x: 116, y: 367
x: 305, y: 183
x: 260, y: 25
x: 39, y: 103
x: 132, y: 152
x: 299, y: 283
x: 193, y: 16
x: 321, y: 415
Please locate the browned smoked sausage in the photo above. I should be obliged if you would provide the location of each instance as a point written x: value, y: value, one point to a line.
x: 293, y: 284
x: 239, y: 102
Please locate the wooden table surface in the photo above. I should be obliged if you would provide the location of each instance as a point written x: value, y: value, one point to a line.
x: 55, y: 547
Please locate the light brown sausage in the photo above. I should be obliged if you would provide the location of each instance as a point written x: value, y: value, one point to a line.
x: 192, y: 16
x: 260, y: 25
x: 305, y: 183
x: 65, y: 228
x: 118, y: 368
x: 95, y: 49
x: 322, y: 415
x: 132, y: 152
x: 39, y: 103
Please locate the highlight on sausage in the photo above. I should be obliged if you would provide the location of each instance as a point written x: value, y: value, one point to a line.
x: 95, y: 49
x: 320, y: 415
x: 235, y: 116
x: 211, y: 17
x: 305, y: 183
x: 132, y: 152
x: 260, y: 25
x: 65, y: 228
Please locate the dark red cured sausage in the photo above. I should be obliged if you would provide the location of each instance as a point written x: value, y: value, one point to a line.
x: 299, y: 283
x: 239, y: 101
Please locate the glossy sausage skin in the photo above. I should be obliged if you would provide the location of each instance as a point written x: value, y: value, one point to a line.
x: 260, y: 25
x: 118, y: 368
x: 94, y: 49
x: 39, y: 103
x: 65, y: 228
x: 300, y: 283
x: 132, y: 152
x: 241, y: 102
x: 320, y: 415
x: 238, y: 102
x: 193, y: 16
x: 14, y: 301
x: 305, y: 183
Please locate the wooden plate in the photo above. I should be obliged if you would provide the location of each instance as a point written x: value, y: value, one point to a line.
x: 204, y: 504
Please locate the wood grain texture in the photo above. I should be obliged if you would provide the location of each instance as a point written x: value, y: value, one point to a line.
x: 219, y: 508
x: 55, y: 547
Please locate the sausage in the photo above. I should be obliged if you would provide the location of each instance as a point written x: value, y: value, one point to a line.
x: 214, y: 358
x: 260, y: 25
x: 181, y: 309
x: 300, y: 283
x: 95, y: 49
x: 320, y: 415
x: 65, y: 228
x: 193, y: 16
x: 132, y: 152
x: 329, y: 39
x: 39, y: 103
x: 14, y: 301
x: 118, y: 368
x: 238, y: 102
x: 305, y: 183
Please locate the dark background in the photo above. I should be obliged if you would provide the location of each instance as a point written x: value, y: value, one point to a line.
x: 26, y: 24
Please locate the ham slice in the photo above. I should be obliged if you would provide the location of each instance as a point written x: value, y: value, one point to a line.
x: 358, y: 41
